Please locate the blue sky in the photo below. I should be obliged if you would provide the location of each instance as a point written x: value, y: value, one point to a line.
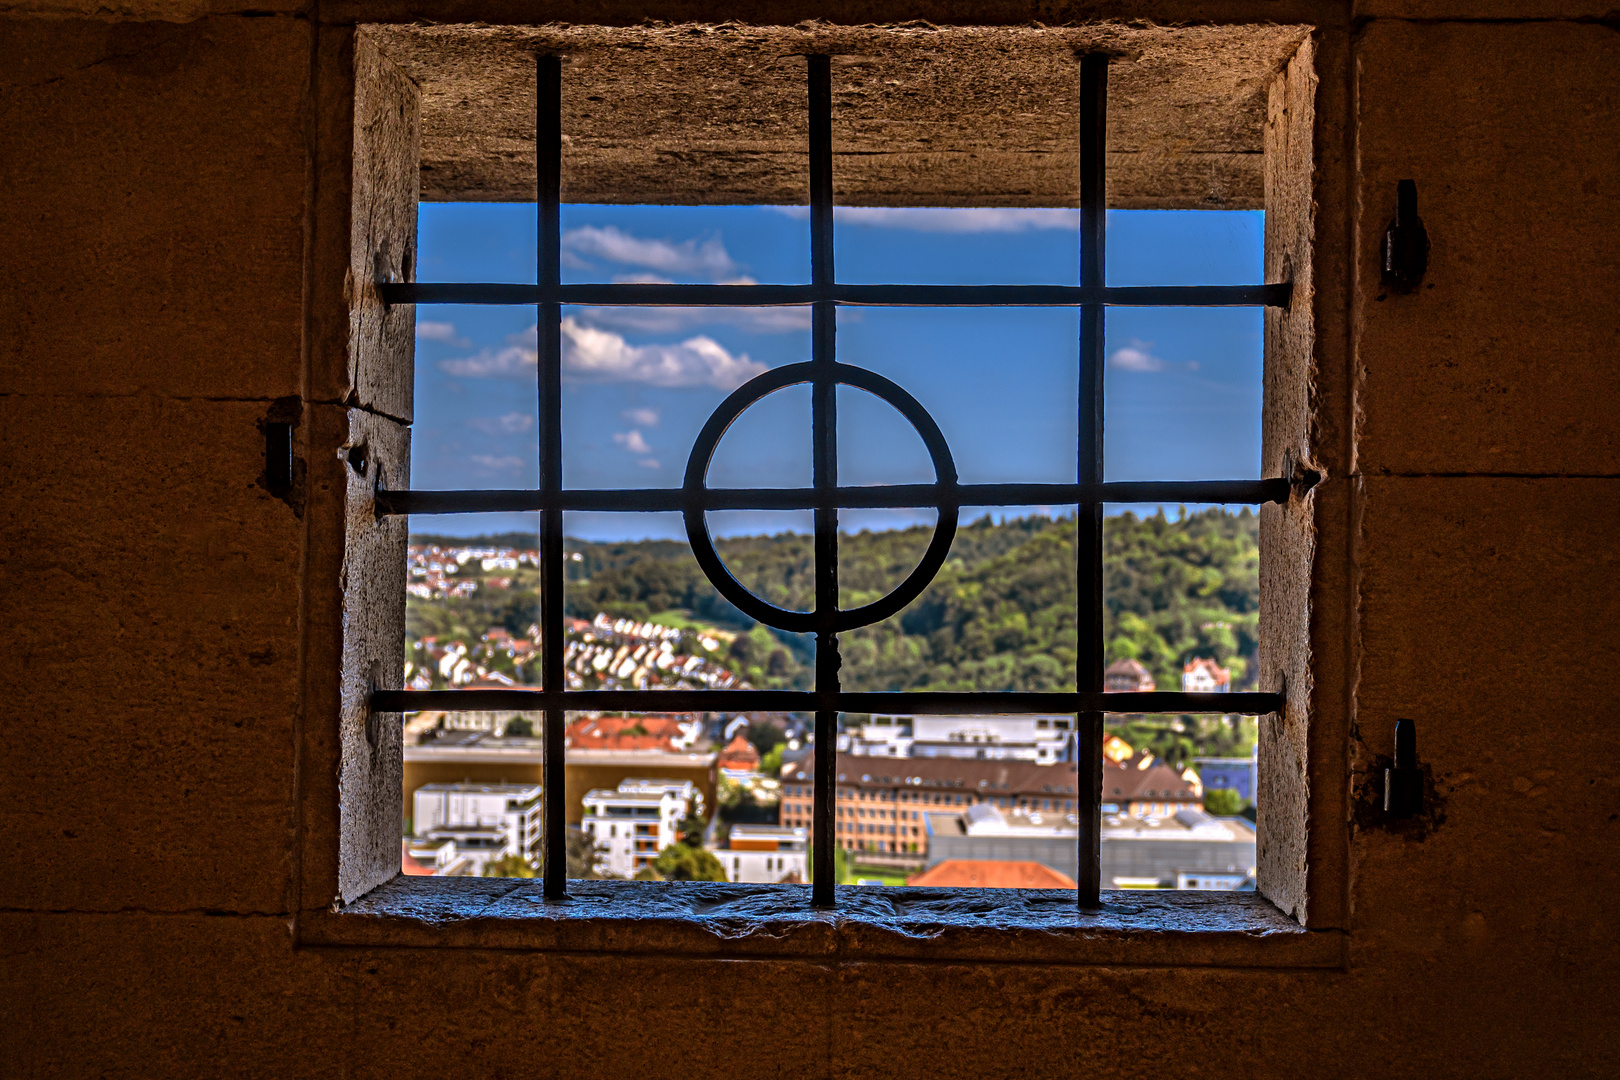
x: 1182, y: 386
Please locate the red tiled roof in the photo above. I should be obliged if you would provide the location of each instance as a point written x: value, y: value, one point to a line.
x: 739, y: 754
x: 1221, y: 676
x: 609, y: 733
x: 409, y: 866
x: 992, y: 874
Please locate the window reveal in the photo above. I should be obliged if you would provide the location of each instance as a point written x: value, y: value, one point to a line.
x: 824, y: 373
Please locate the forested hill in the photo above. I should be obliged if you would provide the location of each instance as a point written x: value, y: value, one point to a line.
x: 999, y: 616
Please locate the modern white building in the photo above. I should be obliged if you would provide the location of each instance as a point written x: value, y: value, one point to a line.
x: 1188, y: 849
x: 434, y: 858
x: 1044, y: 740
x: 765, y: 853
x: 636, y: 821
x: 486, y: 821
x: 881, y: 736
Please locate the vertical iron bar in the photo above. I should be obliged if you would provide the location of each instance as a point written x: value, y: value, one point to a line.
x: 824, y: 421
x: 548, y: 195
x: 1089, y: 548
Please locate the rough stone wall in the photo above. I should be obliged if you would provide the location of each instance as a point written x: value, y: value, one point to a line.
x: 169, y: 757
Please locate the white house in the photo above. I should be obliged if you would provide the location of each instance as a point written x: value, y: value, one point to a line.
x: 636, y: 821
x: 486, y: 821
x: 1204, y: 676
x: 765, y: 853
x: 1044, y: 740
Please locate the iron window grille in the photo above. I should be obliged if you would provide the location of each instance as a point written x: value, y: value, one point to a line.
x: 824, y: 295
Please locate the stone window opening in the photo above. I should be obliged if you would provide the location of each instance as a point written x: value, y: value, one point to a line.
x: 386, y: 178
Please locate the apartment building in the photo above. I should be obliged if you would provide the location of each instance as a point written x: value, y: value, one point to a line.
x: 635, y: 821
x: 766, y: 853
x: 1042, y: 739
x: 486, y: 821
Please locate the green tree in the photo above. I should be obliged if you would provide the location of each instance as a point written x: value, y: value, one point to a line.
x: 1223, y: 802
x: 771, y: 763
x: 998, y: 616
x: 841, y: 866
x: 519, y: 725
x: 687, y: 862
x: 511, y: 866
x: 765, y: 735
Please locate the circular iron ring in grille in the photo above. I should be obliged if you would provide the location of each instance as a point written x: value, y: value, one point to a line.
x: 697, y: 526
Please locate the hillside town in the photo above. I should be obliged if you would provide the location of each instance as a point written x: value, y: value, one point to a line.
x: 965, y: 801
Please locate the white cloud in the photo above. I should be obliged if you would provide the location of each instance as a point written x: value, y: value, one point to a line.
x: 487, y: 463
x: 603, y: 356
x: 1135, y: 357
x: 641, y: 417
x: 512, y: 362
x: 648, y: 463
x: 708, y: 258
x: 515, y: 423
x: 632, y: 441
x: 440, y: 331
x: 946, y: 219
x: 595, y: 355
x: 666, y: 320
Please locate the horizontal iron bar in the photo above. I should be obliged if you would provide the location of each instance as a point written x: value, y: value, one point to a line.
x: 644, y: 295
x: 645, y: 500
x: 735, y: 701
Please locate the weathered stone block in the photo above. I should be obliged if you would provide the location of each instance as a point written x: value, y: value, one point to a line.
x: 382, y: 231
x: 154, y: 219
x: 372, y: 584
x: 1481, y: 603
x: 1505, y: 359
x: 153, y: 603
x: 1506, y: 11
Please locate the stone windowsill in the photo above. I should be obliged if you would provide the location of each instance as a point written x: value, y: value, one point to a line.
x: 729, y: 921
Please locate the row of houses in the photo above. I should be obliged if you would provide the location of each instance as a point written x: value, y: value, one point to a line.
x: 1200, y: 675
x: 603, y: 653
x: 458, y: 829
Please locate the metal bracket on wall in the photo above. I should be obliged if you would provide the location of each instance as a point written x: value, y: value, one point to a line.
x: 278, y: 458
x: 1403, y: 783
x: 1405, y: 252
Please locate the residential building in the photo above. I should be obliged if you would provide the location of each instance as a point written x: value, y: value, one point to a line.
x: 766, y: 853
x: 432, y: 858
x: 989, y: 874
x: 1117, y: 750
x: 668, y: 733
x: 1142, y: 786
x: 486, y: 758
x: 1232, y: 774
x: 1042, y: 739
x: 1128, y: 676
x: 881, y: 736
x: 1204, y: 676
x: 635, y: 821
x: 739, y: 758
x: 486, y: 821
